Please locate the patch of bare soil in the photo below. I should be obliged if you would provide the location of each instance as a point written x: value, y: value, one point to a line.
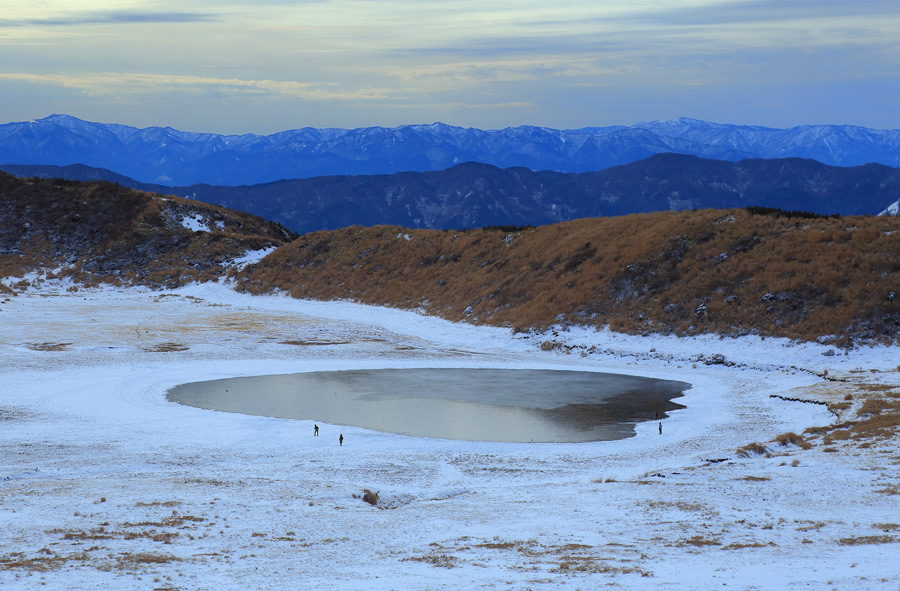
x: 166, y: 348
x: 48, y: 346
x: 313, y: 343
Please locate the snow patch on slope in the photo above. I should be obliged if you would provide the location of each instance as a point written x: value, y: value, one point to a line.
x: 253, y: 256
x: 892, y: 209
x: 195, y: 223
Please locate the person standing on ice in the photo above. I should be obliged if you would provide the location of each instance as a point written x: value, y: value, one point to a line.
x: 660, y: 427
x: 341, y: 439
x: 315, y: 430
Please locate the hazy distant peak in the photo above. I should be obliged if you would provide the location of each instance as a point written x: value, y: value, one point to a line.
x: 190, y: 157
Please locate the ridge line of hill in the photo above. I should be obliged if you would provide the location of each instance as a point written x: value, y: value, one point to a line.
x: 477, y: 195
x: 729, y: 272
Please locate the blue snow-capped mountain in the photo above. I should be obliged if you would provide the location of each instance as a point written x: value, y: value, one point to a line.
x: 172, y: 157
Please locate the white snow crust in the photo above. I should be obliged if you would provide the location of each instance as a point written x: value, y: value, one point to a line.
x: 253, y: 256
x: 892, y: 209
x: 195, y: 223
x: 104, y: 484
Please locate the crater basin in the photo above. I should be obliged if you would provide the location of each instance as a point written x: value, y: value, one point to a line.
x: 512, y: 405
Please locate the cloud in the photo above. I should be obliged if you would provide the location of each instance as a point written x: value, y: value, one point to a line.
x: 114, y: 18
x: 700, y: 28
x: 338, y: 59
x: 126, y: 83
x: 448, y: 75
x: 744, y: 12
x: 460, y: 106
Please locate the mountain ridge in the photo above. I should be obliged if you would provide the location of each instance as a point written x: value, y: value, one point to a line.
x: 726, y: 272
x: 100, y: 231
x: 476, y: 194
x: 172, y: 157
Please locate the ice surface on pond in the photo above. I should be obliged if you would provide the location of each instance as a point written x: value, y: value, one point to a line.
x: 481, y: 404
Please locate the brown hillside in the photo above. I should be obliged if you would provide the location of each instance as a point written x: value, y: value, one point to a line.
x: 104, y: 232
x: 721, y: 271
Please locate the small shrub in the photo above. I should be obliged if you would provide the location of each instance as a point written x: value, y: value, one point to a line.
x: 370, y: 497
x: 865, y: 540
x: 699, y: 541
x: 739, y: 546
x: 791, y: 438
x: 437, y: 560
x: 166, y: 348
x: 752, y: 449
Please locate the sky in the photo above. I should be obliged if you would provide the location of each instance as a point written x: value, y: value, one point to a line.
x: 232, y: 66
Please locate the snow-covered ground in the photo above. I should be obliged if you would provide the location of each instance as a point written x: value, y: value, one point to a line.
x: 104, y: 484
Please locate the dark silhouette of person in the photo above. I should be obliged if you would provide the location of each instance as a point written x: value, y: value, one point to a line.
x: 315, y: 430
x: 341, y: 439
x: 660, y: 428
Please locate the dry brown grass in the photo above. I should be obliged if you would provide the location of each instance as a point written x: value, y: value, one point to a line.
x: 594, y: 565
x: 698, y: 541
x: 808, y: 525
x: 741, y: 546
x: 436, y: 560
x: 316, y: 343
x: 752, y: 449
x: 711, y: 271
x: 103, y: 233
x: 660, y: 272
x: 680, y: 505
x: 570, y: 558
x: 867, y: 540
x: 370, y: 497
x: 876, y: 419
x: 791, y: 438
x: 657, y: 272
x: 11, y: 414
x: 166, y: 348
x: 499, y: 545
x: 48, y: 346
x: 47, y: 561
x: 869, y: 413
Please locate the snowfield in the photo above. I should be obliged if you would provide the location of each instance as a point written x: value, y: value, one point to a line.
x: 104, y: 484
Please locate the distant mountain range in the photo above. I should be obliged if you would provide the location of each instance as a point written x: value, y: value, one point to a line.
x: 176, y: 158
x: 473, y: 195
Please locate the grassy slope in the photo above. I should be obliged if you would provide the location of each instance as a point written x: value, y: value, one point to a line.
x: 721, y: 271
x: 104, y: 232
x: 728, y: 272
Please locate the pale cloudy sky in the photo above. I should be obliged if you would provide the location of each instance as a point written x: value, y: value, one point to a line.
x: 231, y: 66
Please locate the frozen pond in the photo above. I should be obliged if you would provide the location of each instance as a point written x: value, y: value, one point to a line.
x: 516, y: 405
